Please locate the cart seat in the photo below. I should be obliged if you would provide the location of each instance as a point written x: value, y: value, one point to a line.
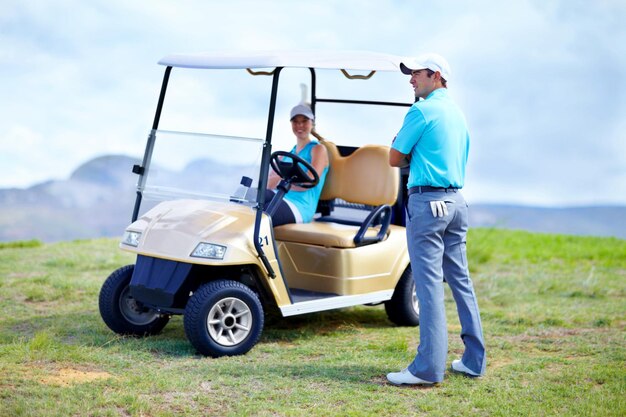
x: 363, y: 177
x: 330, y: 235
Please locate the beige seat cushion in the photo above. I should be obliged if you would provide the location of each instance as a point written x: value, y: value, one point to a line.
x: 363, y: 177
x: 330, y: 235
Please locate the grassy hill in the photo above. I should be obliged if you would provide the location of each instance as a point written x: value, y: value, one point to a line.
x: 553, y: 310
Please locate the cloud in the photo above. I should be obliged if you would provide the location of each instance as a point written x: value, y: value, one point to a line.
x: 551, y: 102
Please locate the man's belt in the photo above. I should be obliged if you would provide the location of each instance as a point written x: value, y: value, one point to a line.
x: 419, y: 189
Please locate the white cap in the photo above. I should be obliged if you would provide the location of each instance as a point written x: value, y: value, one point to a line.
x: 432, y: 62
x: 302, y: 110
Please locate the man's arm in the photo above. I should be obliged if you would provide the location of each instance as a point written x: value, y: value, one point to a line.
x: 411, y: 131
x: 398, y: 159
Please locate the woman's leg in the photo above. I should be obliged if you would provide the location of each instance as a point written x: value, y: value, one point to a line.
x: 282, y: 214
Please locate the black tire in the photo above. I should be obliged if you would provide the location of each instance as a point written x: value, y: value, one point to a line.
x: 223, y: 318
x: 121, y: 312
x: 403, y: 308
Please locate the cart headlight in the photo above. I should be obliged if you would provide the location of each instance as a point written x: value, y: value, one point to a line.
x: 209, y: 250
x: 131, y: 238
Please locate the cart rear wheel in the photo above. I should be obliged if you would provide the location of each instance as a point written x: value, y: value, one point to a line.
x: 403, y: 308
x: 223, y: 318
x: 122, y: 312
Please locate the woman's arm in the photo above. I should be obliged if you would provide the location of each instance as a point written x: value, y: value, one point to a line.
x: 319, y: 161
x: 272, y: 180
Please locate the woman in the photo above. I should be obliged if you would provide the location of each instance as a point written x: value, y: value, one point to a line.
x: 299, y: 204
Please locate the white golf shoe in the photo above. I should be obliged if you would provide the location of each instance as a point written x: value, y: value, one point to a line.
x: 404, y: 377
x: 457, y: 366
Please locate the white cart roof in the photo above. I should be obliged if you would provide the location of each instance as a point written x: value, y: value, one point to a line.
x: 348, y: 60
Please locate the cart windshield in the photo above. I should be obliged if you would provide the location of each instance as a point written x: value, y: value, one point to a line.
x: 199, y: 165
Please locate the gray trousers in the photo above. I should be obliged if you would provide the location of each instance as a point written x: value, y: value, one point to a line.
x: 437, y: 251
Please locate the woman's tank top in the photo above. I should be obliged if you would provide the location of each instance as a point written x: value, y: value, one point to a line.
x: 305, y: 201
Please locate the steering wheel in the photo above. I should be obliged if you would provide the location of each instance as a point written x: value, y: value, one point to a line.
x: 292, y: 171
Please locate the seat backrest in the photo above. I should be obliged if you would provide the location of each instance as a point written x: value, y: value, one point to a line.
x: 363, y: 177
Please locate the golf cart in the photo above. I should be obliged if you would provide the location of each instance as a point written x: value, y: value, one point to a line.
x: 205, y: 244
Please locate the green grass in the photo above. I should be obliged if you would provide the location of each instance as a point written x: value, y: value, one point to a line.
x: 33, y: 243
x: 553, y: 310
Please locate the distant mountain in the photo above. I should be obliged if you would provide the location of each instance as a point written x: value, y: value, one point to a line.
x: 98, y: 198
x: 594, y: 220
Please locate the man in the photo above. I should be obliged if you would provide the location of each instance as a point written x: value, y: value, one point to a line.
x: 434, y: 143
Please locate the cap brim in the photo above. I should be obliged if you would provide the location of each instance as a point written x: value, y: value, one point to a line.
x: 300, y: 114
x: 405, y: 70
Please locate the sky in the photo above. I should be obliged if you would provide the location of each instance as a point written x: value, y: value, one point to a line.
x: 542, y: 82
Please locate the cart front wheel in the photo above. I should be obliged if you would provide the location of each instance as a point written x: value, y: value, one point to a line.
x: 223, y: 318
x: 122, y: 312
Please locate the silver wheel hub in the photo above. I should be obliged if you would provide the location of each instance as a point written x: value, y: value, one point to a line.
x: 414, y: 301
x: 134, y: 312
x: 229, y: 321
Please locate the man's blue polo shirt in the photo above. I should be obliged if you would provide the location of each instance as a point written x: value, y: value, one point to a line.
x: 435, y: 134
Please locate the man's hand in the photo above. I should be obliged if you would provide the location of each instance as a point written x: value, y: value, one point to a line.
x: 439, y: 208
